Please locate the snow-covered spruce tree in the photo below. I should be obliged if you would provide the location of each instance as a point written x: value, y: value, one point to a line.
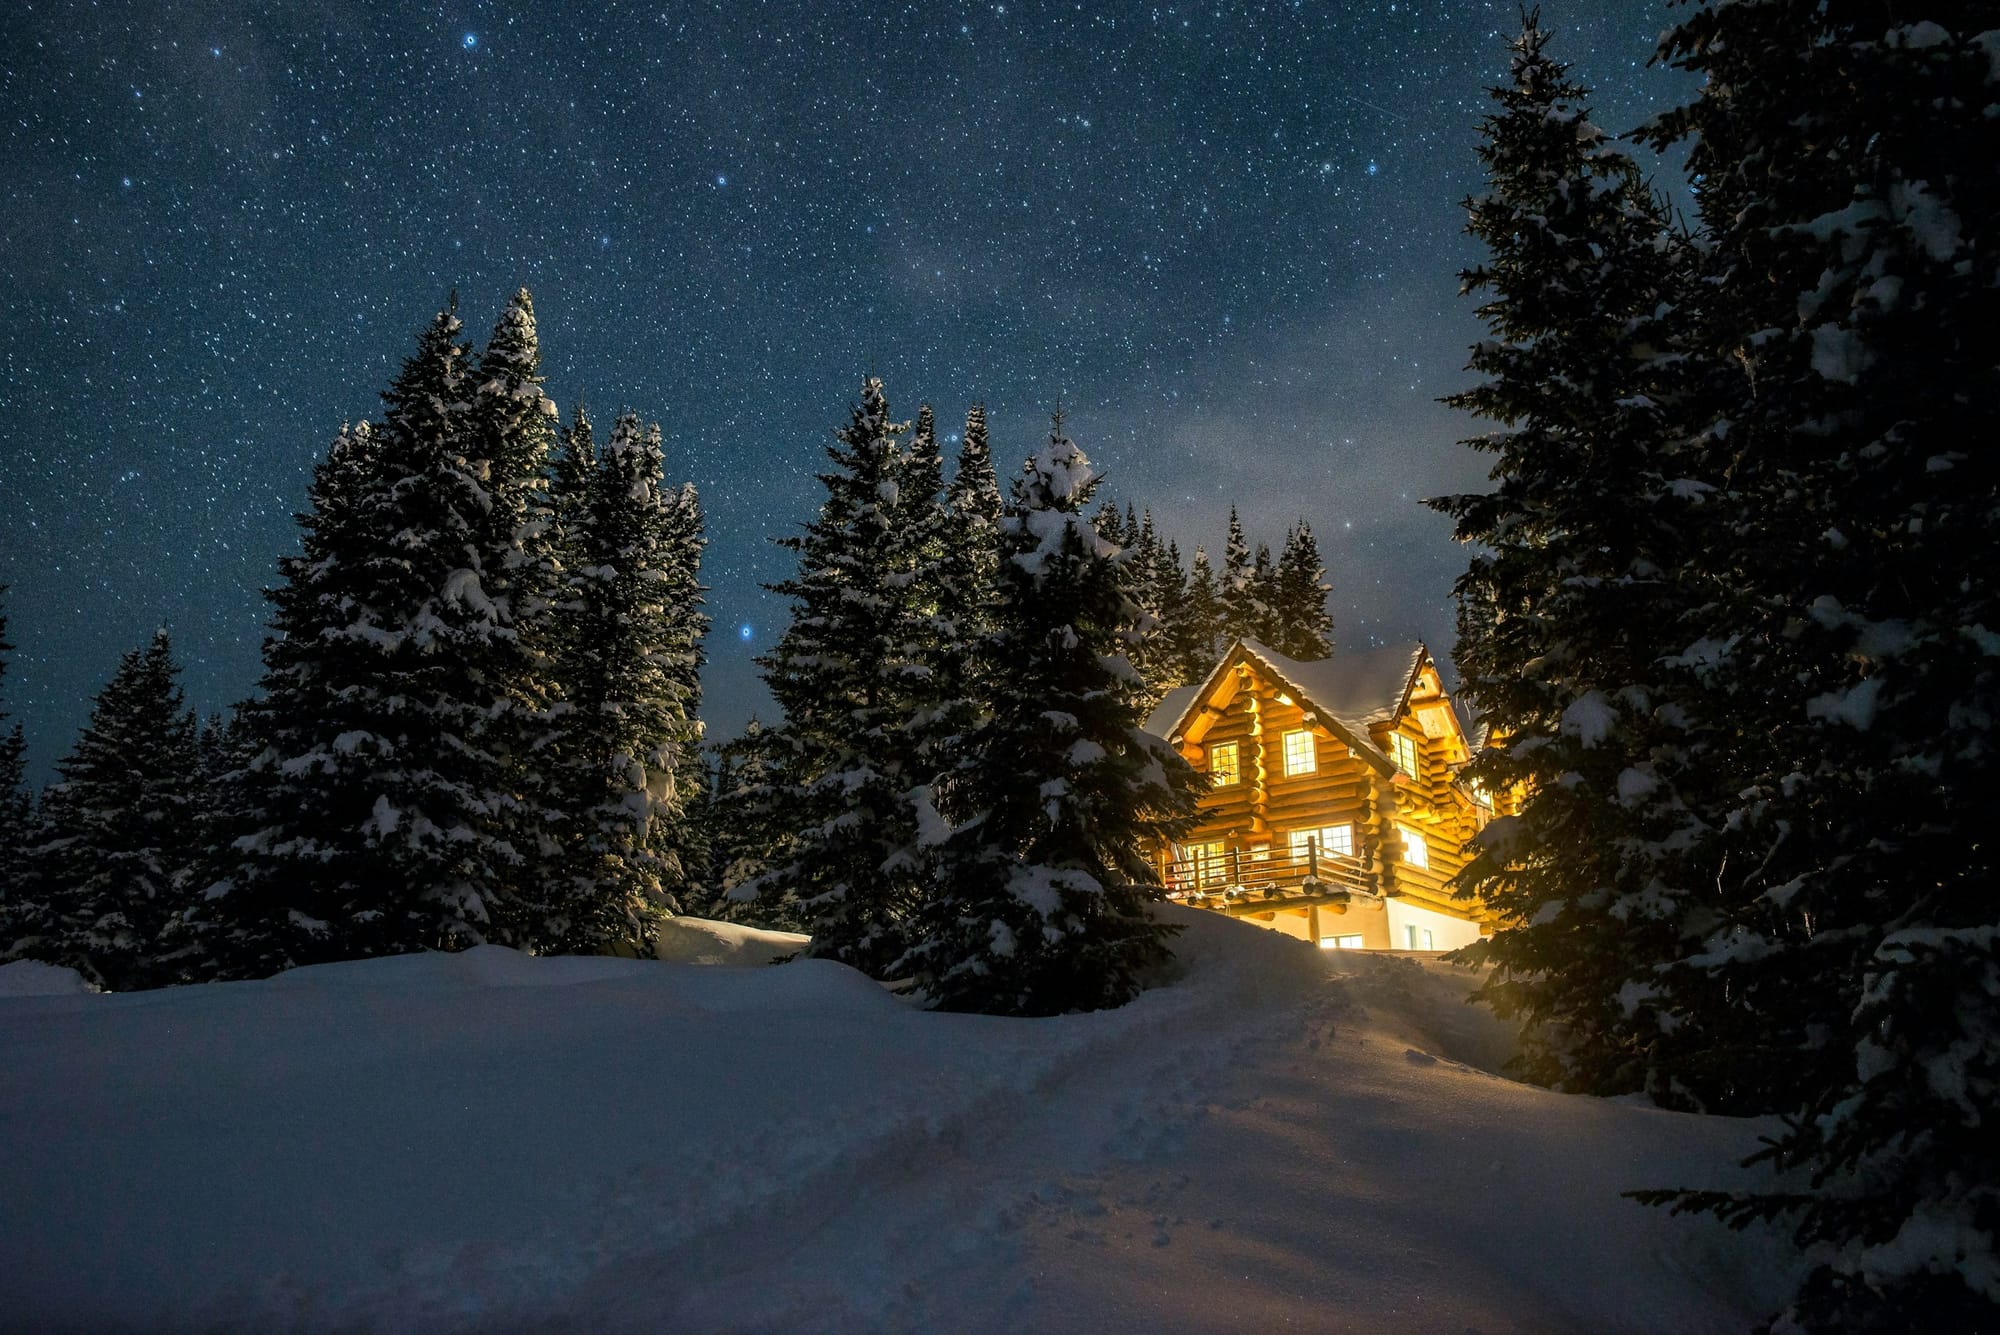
x: 1235, y: 587
x: 380, y: 811
x: 842, y: 672
x: 918, y: 558
x: 118, y: 826
x: 751, y: 833
x: 16, y: 808
x: 972, y: 556
x: 1170, y: 597
x: 1043, y: 905
x: 512, y: 659
x: 1199, y: 629
x: 1573, y: 604
x: 1154, y: 584
x: 626, y: 729
x: 1262, y: 618
x: 687, y: 534
x: 570, y: 475
x: 1848, y: 158
x: 1302, y: 627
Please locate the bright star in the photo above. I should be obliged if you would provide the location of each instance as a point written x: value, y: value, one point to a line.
x: 743, y: 632
x: 721, y: 180
x: 470, y: 40
x: 1372, y: 169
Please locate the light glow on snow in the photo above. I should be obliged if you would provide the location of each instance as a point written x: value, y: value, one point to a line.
x: 865, y: 1165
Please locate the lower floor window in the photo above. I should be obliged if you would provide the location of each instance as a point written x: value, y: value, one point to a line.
x: 1419, y: 938
x: 1340, y: 942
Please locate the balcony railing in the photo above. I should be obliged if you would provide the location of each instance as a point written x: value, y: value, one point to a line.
x: 1274, y: 874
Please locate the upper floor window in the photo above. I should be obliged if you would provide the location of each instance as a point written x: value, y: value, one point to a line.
x: 1416, y: 853
x: 1300, y: 757
x: 1222, y: 766
x: 1403, y: 750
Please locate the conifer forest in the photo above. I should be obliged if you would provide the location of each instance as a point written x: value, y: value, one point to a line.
x: 1727, y: 644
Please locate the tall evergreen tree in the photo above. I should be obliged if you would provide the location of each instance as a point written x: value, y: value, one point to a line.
x: 753, y: 833
x: 918, y: 558
x: 1573, y: 606
x: 1154, y: 584
x: 1234, y: 585
x: 571, y: 473
x: 1302, y: 628
x: 381, y: 808
x: 626, y: 734
x: 842, y: 673
x: 1170, y: 598
x: 1044, y: 905
x: 687, y: 634
x: 511, y: 657
x: 966, y: 589
x: 119, y: 826
x: 1199, y: 630
x: 1848, y: 160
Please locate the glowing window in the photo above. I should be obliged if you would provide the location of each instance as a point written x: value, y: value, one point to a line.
x: 1299, y: 755
x: 1203, y: 864
x: 1222, y: 768
x: 1331, y: 839
x: 1403, y: 750
x: 1340, y: 943
x: 1416, y: 853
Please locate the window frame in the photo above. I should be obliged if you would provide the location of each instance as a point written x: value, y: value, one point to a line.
x: 1295, y: 840
x: 1311, y: 756
x: 1402, y: 746
x: 1235, y: 771
x: 1414, y: 838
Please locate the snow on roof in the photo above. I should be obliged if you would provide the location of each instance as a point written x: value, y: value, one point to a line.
x: 1172, y: 706
x: 1356, y: 691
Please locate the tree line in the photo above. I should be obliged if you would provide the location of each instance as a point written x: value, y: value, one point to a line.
x: 477, y: 720
x: 1732, y: 620
x: 479, y: 716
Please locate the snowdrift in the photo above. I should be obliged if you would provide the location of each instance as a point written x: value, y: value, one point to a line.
x: 1278, y: 1136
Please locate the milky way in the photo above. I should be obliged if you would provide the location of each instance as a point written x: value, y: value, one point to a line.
x: 1226, y: 236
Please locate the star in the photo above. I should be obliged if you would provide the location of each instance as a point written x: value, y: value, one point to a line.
x: 469, y: 41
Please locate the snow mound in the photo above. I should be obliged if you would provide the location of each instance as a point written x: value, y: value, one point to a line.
x: 481, y: 966
x: 1273, y: 1136
x: 701, y: 941
x: 32, y: 978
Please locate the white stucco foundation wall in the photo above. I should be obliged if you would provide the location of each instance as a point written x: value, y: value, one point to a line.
x: 1446, y: 932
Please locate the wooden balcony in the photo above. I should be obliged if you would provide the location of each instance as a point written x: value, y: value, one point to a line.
x: 1241, y: 882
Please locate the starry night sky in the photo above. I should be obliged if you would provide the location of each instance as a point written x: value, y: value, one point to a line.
x: 1226, y: 235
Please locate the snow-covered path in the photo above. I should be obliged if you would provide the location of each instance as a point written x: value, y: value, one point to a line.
x: 1282, y: 1138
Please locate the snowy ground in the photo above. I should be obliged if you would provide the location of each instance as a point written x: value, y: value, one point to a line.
x: 1283, y: 1138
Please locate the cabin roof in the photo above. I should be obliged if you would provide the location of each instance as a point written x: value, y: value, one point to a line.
x: 1173, y: 706
x: 1352, y: 691
x: 1360, y: 690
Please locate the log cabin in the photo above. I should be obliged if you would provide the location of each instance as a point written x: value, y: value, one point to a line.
x: 1335, y: 813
